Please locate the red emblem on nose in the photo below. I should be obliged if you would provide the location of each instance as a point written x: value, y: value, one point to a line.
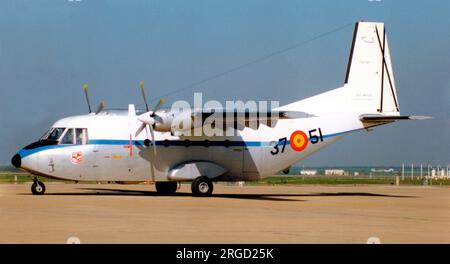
x: 77, y: 158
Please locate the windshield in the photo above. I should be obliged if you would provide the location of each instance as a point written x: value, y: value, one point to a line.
x: 53, y: 134
x: 77, y: 136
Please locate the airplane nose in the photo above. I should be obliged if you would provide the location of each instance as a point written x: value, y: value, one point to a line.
x: 16, y: 161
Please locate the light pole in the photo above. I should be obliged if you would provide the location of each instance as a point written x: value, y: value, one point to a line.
x: 421, y: 171
x: 403, y: 171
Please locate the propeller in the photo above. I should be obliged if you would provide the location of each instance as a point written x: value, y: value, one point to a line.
x: 141, y: 85
x: 100, y: 107
x: 148, y: 119
x: 157, y: 107
x: 87, y: 97
x: 86, y: 93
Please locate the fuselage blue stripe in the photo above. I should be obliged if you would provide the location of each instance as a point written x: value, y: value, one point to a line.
x: 26, y: 152
x: 182, y: 143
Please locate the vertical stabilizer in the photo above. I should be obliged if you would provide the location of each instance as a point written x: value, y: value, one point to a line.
x: 369, y: 84
x: 369, y: 72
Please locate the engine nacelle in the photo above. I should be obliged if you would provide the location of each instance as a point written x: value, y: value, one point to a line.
x: 163, y: 121
x: 183, y: 122
x: 177, y: 122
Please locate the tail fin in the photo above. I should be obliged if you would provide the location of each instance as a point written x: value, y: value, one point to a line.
x: 369, y: 85
x: 369, y: 71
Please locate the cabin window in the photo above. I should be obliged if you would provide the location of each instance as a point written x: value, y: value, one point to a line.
x: 81, y: 136
x: 68, y: 137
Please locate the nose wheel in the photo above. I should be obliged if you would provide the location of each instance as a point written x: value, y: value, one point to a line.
x: 202, y: 186
x: 38, y: 188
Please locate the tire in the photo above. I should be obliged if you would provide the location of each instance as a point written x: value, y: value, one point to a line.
x: 202, y: 187
x: 166, y: 188
x: 38, y: 188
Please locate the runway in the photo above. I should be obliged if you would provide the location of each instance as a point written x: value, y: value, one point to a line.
x: 250, y: 214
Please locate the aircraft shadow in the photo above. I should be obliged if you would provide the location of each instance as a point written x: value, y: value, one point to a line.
x: 268, y: 197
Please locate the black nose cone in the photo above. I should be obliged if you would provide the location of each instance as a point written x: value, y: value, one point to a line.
x: 16, y: 161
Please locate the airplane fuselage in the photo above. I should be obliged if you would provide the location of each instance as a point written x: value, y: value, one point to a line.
x: 111, y: 153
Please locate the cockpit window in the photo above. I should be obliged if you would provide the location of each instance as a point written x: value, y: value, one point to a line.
x: 68, y: 137
x: 55, y: 133
x: 64, y: 135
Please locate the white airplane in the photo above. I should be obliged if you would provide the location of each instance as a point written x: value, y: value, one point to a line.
x: 110, y: 145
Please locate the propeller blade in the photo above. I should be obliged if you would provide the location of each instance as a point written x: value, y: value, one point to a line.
x: 100, y: 107
x: 153, y: 139
x: 142, y: 127
x: 158, y: 106
x: 141, y: 85
x: 87, y: 97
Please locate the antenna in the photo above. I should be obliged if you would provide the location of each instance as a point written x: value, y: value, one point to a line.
x: 87, y: 97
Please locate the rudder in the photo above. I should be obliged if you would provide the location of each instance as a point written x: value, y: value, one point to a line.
x: 369, y: 71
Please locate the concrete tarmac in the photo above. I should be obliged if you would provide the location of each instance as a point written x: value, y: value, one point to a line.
x: 251, y: 214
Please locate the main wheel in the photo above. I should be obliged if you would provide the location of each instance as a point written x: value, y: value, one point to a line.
x: 202, y: 186
x: 166, y: 188
x: 38, y: 188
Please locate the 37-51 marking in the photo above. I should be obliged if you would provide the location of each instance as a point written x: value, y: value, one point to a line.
x: 298, y: 141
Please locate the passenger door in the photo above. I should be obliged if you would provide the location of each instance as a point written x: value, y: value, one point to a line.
x: 251, y: 161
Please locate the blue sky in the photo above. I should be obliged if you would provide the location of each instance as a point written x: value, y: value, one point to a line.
x: 49, y: 49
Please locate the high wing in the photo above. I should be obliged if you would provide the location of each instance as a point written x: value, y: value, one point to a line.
x: 230, y: 116
x: 223, y: 118
x: 178, y: 121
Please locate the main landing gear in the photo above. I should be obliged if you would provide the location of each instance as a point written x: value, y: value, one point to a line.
x: 166, y: 188
x: 38, y: 188
x: 202, y: 186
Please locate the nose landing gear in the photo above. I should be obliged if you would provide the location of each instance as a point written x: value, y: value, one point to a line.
x: 38, y: 188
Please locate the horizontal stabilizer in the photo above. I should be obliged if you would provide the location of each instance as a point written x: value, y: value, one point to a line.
x: 371, y: 118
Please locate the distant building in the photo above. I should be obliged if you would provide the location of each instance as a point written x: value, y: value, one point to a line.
x: 308, y: 172
x: 390, y: 170
x: 337, y: 172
